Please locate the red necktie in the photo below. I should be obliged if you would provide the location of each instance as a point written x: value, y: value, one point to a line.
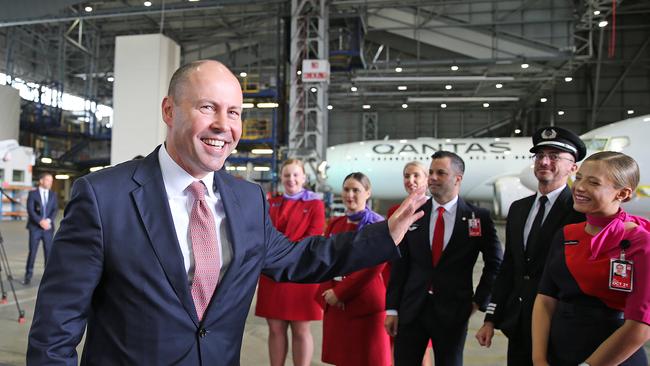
x: 438, y: 237
x: 205, y: 248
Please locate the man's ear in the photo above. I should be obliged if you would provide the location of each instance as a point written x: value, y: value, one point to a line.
x: 574, y: 168
x: 167, y: 108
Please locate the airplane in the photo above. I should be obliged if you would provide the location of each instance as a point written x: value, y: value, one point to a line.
x: 497, y: 170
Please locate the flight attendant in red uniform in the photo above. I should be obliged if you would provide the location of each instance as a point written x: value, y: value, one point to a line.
x: 415, y: 175
x: 298, y: 213
x: 353, y: 332
x: 593, y: 306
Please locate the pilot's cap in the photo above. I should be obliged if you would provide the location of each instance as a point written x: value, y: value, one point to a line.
x: 561, y: 139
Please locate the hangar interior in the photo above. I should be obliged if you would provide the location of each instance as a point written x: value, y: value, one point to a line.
x: 407, y: 69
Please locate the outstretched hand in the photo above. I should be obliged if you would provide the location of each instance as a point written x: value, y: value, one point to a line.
x: 406, y: 215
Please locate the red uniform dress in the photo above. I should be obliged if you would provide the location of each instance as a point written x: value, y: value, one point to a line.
x: 355, y: 335
x: 297, y: 219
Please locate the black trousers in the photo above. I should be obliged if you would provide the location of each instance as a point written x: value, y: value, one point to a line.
x: 577, y: 331
x: 35, y: 236
x: 448, y: 341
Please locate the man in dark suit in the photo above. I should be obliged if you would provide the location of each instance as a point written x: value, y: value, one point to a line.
x: 430, y: 293
x: 531, y: 224
x: 159, y: 257
x: 41, y: 212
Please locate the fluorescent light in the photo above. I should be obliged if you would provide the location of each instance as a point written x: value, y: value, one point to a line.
x: 486, y: 105
x: 460, y: 99
x: 630, y: 111
x: 405, y: 105
x: 299, y: 72
x: 560, y: 113
x: 403, y: 141
x: 241, y: 168
x: 267, y: 105
x: 88, y: 9
x: 62, y: 176
x: 443, y: 105
x: 402, y: 87
x: 46, y: 160
x: 647, y: 119
x: 147, y: 3
x: 243, y: 74
x: 261, y: 168
x: 230, y: 168
x: 568, y: 79
x: 543, y: 100
x: 366, y: 106
x: 330, y: 107
x: 603, y: 23
x: 96, y: 168
x: 448, y: 78
x: 454, y: 68
x: 353, y: 88
x: 524, y: 66
x: 313, y: 89
x: 262, y: 151
x: 247, y: 105
x: 110, y: 79
x: 448, y: 87
x: 499, y: 86
x: 398, y: 69
x: 517, y: 131
x: 192, y: 1
x: 596, y: 12
x: 234, y: 151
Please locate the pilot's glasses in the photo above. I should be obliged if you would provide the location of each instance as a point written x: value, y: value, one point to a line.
x: 554, y: 157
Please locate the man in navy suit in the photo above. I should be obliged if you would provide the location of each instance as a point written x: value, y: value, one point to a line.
x: 125, y: 264
x: 41, y: 212
x: 430, y: 293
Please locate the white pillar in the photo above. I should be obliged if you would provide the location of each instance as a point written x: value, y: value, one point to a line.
x: 10, y: 107
x: 143, y: 66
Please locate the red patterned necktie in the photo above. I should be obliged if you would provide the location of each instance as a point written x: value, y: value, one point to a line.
x: 438, y: 237
x: 205, y: 248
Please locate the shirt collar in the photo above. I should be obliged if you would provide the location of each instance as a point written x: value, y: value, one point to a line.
x: 176, y: 179
x: 552, y: 196
x: 449, y: 206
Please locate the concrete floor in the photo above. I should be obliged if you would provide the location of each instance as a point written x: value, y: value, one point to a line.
x: 13, y: 336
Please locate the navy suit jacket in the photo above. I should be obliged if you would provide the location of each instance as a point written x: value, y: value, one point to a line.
x: 116, y: 267
x: 451, y: 280
x: 35, y: 212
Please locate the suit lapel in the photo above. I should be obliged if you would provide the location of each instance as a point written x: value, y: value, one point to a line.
x: 151, y: 200
x: 519, y: 223
x: 420, y: 235
x: 459, y: 234
x: 553, y: 220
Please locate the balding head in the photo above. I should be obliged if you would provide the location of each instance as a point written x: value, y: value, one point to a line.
x: 182, y: 75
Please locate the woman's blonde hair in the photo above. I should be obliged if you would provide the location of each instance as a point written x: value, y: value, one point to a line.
x: 298, y: 162
x: 622, y: 169
x: 417, y: 164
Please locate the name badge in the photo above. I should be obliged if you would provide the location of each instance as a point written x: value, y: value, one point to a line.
x: 620, y: 275
x: 474, y: 225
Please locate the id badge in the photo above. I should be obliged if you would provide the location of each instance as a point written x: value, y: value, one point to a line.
x: 620, y: 275
x: 474, y: 225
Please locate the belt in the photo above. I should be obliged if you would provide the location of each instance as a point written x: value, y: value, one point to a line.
x: 588, y: 311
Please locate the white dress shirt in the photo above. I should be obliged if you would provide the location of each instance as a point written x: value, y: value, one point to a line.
x: 449, y: 216
x: 552, y: 197
x: 180, y: 201
x: 44, y: 199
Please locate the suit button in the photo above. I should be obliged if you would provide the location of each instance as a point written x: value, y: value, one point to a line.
x: 520, y: 299
x: 526, y: 277
x: 527, y: 259
x: 202, y: 332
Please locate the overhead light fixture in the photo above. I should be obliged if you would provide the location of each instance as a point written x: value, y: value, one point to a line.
x: 234, y: 151
x: 448, y: 86
x: 267, y: 105
x: 313, y: 89
x: 61, y: 176
x: 262, y: 151
x: 568, y: 79
x: 193, y: 1
x: 229, y: 167
x: 460, y: 99
x: 402, y: 87
x: 443, y: 106
x: 366, y: 106
x: 603, y: 23
x: 442, y: 79
x: 241, y: 168
x: 596, y: 12
x: 330, y: 107
x: 243, y: 74
x: 88, y: 9
x: 404, y: 106
x: 486, y: 105
x: 299, y: 72
x: 46, y: 160
x: 647, y: 119
x: 398, y: 69
x: 499, y: 86
x: 96, y: 168
x: 147, y: 3
x: 247, y: 105
x: 560, y: 113
x: 543, y: 100
x: 110, y: 79
x: 517, y: 131
x: 525, y: 66
x: 353, y: 88
x: 630, y: 111
x: 261, y: 168
x: 454, y: 68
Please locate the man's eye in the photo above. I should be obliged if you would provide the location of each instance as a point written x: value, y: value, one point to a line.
x: 207, y: 108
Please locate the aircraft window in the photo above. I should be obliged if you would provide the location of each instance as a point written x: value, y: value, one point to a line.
x: 597, y: 144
